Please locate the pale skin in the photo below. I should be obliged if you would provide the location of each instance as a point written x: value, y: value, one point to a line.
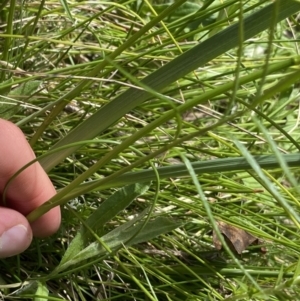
x: 28, y: 191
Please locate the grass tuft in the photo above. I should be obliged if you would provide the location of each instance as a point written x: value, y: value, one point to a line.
x: 157, y: 121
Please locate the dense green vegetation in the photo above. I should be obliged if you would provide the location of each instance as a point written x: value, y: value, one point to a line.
x: 163, y: 125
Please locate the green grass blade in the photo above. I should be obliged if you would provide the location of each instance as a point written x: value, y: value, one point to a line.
x: 84, y: 84
x: 58, y: 199
x: 247, y: 90
x: 212, y: 219
x: 179, y: 170
x: 176, y: 69
x: 289, y: 210
x: 65, y: 5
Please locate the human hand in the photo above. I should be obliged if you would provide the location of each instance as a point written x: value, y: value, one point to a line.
x: 26, y: 192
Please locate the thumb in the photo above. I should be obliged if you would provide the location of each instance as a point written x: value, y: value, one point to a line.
x: 15, y: 233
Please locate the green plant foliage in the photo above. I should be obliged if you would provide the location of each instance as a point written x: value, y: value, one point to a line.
x: 169, y: 73
x: 121, y: 236
x: 200, y: 98
x: 37, y: 289
x: 10, y: 103
x: 96, y: 221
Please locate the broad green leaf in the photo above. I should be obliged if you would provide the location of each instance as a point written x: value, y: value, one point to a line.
x: 114, y: 204
x: 122, y: 228
x: 42, y: 292
x: 10, y: 104
x: 120, y: 236
x: 154, y: 228
x: 34, y: 288
x: 169, y: 73
x: 107, y: 210
x: 25, y: 89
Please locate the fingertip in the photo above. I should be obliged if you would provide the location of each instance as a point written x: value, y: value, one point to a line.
x: 15, y: 233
